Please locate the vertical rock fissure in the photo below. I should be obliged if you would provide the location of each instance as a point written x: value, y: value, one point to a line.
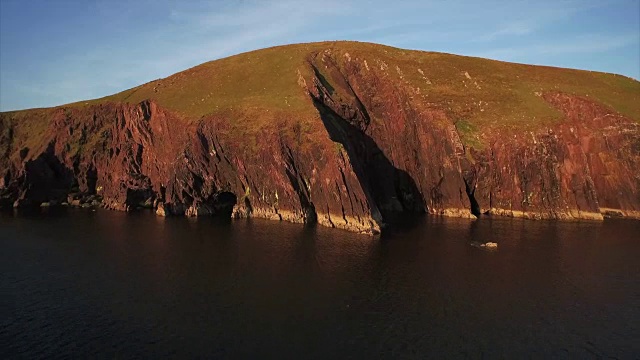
x: 390, y: 191
x: 298, y: 185
x: 474, y: 206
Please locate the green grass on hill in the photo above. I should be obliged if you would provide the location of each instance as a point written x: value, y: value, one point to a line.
x: 262, y: 85
x: 494, y: 92
x: 265, y: 79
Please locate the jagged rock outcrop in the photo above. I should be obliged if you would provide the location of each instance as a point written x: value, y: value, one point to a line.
x: 365, y: 148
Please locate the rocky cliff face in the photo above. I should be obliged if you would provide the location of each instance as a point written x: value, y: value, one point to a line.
x: 582, y: 167
x: 372, y: 149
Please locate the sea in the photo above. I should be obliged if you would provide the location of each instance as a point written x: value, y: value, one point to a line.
x: 105, y: 284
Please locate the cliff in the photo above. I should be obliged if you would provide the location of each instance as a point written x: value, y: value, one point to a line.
x: 348, y: 135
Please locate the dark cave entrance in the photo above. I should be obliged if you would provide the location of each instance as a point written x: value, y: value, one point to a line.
x: 223, y: 203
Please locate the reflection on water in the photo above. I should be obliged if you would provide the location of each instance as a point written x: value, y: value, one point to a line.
x: 124, y: 285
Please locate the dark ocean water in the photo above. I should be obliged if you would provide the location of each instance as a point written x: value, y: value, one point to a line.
x: 108, y: 284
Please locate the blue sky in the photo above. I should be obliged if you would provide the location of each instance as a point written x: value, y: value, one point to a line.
x: 58, y: 51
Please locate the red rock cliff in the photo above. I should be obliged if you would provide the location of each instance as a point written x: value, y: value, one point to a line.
x: 369, y: 146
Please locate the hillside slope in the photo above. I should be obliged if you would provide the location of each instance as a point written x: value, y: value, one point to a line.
x: 345, y: 134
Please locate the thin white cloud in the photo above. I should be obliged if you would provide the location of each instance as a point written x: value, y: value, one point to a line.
x: 253, y: 14
x: 586, y: 44
x: 510, y: 29
x: 525, y: 18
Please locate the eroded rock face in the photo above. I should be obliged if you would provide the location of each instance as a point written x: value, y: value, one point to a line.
x: 582, y: 167
x: 146, y: 155
x: 371, y: 155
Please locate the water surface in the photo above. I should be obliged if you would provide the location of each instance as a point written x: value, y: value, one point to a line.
x: 110, y: 284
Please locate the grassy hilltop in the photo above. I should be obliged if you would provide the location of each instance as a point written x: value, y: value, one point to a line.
x: 482, y: 95
x: 267, y: 79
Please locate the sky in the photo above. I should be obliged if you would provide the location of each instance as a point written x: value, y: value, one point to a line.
x: 54, y: 52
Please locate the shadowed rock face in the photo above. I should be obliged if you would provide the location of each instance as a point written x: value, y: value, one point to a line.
x: 372, y: 153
